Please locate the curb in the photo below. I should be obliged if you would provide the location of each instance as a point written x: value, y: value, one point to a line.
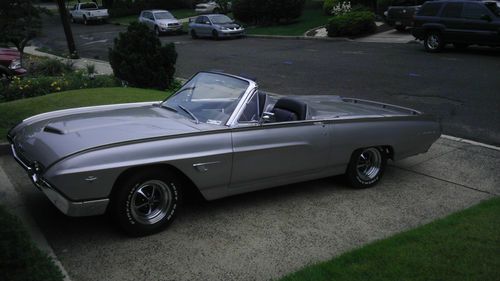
x: 10, y: 197
x: 338, y: 39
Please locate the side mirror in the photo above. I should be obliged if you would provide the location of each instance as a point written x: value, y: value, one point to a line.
x: 267, y: 117
x: 485, y: 17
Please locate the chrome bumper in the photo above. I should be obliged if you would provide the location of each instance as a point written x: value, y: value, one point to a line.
x: 68, y: 207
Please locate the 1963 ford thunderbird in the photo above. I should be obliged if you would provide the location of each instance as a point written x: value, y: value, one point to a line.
x: 219, y: 135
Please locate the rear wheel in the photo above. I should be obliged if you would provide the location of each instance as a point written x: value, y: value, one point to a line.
x: 193, y: 34
x: 215, y: 34
x: 433, y: 42
x: 366, y: 167
x: 146, y: 202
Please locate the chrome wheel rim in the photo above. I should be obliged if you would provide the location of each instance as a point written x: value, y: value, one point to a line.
x: 368, y: 164
x: 150, y: 202
x: 433, y: 41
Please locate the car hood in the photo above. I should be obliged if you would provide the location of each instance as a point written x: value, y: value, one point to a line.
x: 47, y: 140
x: 229, y: 25
x: 167, y: 21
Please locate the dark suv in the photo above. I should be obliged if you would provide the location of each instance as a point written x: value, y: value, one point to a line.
x: 461, y: 23
x: 401, y: 12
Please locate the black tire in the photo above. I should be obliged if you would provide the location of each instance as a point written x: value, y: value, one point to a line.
x: 85, y: 21
x: 460, y: 46
x: 72, y: 19
x: 366, y: 167
x: 157, y: 31
x: 193, y: 34
x: 401, y: 28
x: 433, y: 42
x: 215, y: 34
x: 5, y: 79
x: 157, y: 211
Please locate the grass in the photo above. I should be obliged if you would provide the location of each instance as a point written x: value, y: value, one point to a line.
x: 20, y: 259
x: 310, y: 18
x: 463, y: 246
x: 178, y: 14
x: 14, y: 112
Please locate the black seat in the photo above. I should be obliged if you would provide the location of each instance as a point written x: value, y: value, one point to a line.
x: 288, y: 109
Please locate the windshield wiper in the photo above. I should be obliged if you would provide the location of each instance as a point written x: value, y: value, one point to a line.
x: 189, y: 112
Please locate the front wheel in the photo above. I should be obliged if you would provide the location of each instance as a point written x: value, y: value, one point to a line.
x: 146, y: 202
x: 85, y: 21
x: 433, y: 42
x: 157, y: 31
x: 366, y: 167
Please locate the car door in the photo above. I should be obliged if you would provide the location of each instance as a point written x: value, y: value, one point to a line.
x: 277, y: 153
x: 478, y: 26
x: 205, y: 26
x: 451, y: 18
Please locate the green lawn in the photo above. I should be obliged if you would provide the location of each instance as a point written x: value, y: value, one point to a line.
x: 310, y: 18
x: 463, y: 246
x: 13, y: 112
x: 178, y: 14
x: 20, y: 259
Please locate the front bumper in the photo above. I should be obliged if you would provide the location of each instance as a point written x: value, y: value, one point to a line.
x: 232, y: 33
x: 66, y: 206
x: 172, y: 28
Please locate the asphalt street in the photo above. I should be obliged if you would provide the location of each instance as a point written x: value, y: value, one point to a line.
x: 460, y: 87
x: 264, y: 235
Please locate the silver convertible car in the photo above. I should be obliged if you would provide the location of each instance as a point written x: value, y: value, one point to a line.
x: 219, y: 135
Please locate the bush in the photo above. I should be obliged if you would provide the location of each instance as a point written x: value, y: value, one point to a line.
x: 139, y: 58
x: 328, y: 6
x: 267, y: 11
x: 49, y: 67
x: 351, y: 24
x: 38, y: 86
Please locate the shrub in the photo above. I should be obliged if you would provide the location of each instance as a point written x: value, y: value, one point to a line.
x: 341, y: 8
x: 328, y: 6
x: 49, y: 67
x: 267, y: 11
x: 351, y: 24
x: 42, y: 85
x: 139, y: 58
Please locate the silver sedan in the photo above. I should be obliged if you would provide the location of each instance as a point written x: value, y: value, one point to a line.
x: 215, y: 26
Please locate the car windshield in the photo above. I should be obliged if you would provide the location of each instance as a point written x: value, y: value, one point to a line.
x: 208, y: 97
x: 163, y: 16
x: 220, y: 19
x: 88, y: 6
x: 494, y: 7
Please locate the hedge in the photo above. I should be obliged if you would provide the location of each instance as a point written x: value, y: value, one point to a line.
x: 351, y: 24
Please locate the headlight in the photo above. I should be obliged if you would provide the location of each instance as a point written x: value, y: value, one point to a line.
x: 163, y: 24
x: 15, y: 64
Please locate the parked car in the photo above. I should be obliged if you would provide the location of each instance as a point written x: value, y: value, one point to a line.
x: 10, y: 64
x: 401, y: 12
x: 211, y: 7
x: 88, y: 12
x: 216, y: 26
x: 218, y: 135
x: 161, y: 21
x: 461, y: 23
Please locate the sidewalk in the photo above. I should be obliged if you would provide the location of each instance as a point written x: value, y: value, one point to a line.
x: 101, y: 67
x: 263, y: 235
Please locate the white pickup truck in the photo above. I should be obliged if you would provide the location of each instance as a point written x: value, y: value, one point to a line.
x: 87, y: 12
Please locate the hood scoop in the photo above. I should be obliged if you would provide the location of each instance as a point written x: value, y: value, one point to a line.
x: 53, y: 130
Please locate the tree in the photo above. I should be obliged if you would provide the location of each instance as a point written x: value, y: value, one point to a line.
x: 224, y: 5
x: 138, y: 58
x: 20, y: 22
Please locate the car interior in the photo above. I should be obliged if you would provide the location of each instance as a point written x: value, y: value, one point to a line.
x: 288, y: 109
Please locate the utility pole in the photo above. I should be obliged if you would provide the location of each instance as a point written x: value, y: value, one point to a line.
x: 67, y: 29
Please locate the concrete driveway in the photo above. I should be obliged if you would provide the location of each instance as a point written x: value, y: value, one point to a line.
x: 267, y: 234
